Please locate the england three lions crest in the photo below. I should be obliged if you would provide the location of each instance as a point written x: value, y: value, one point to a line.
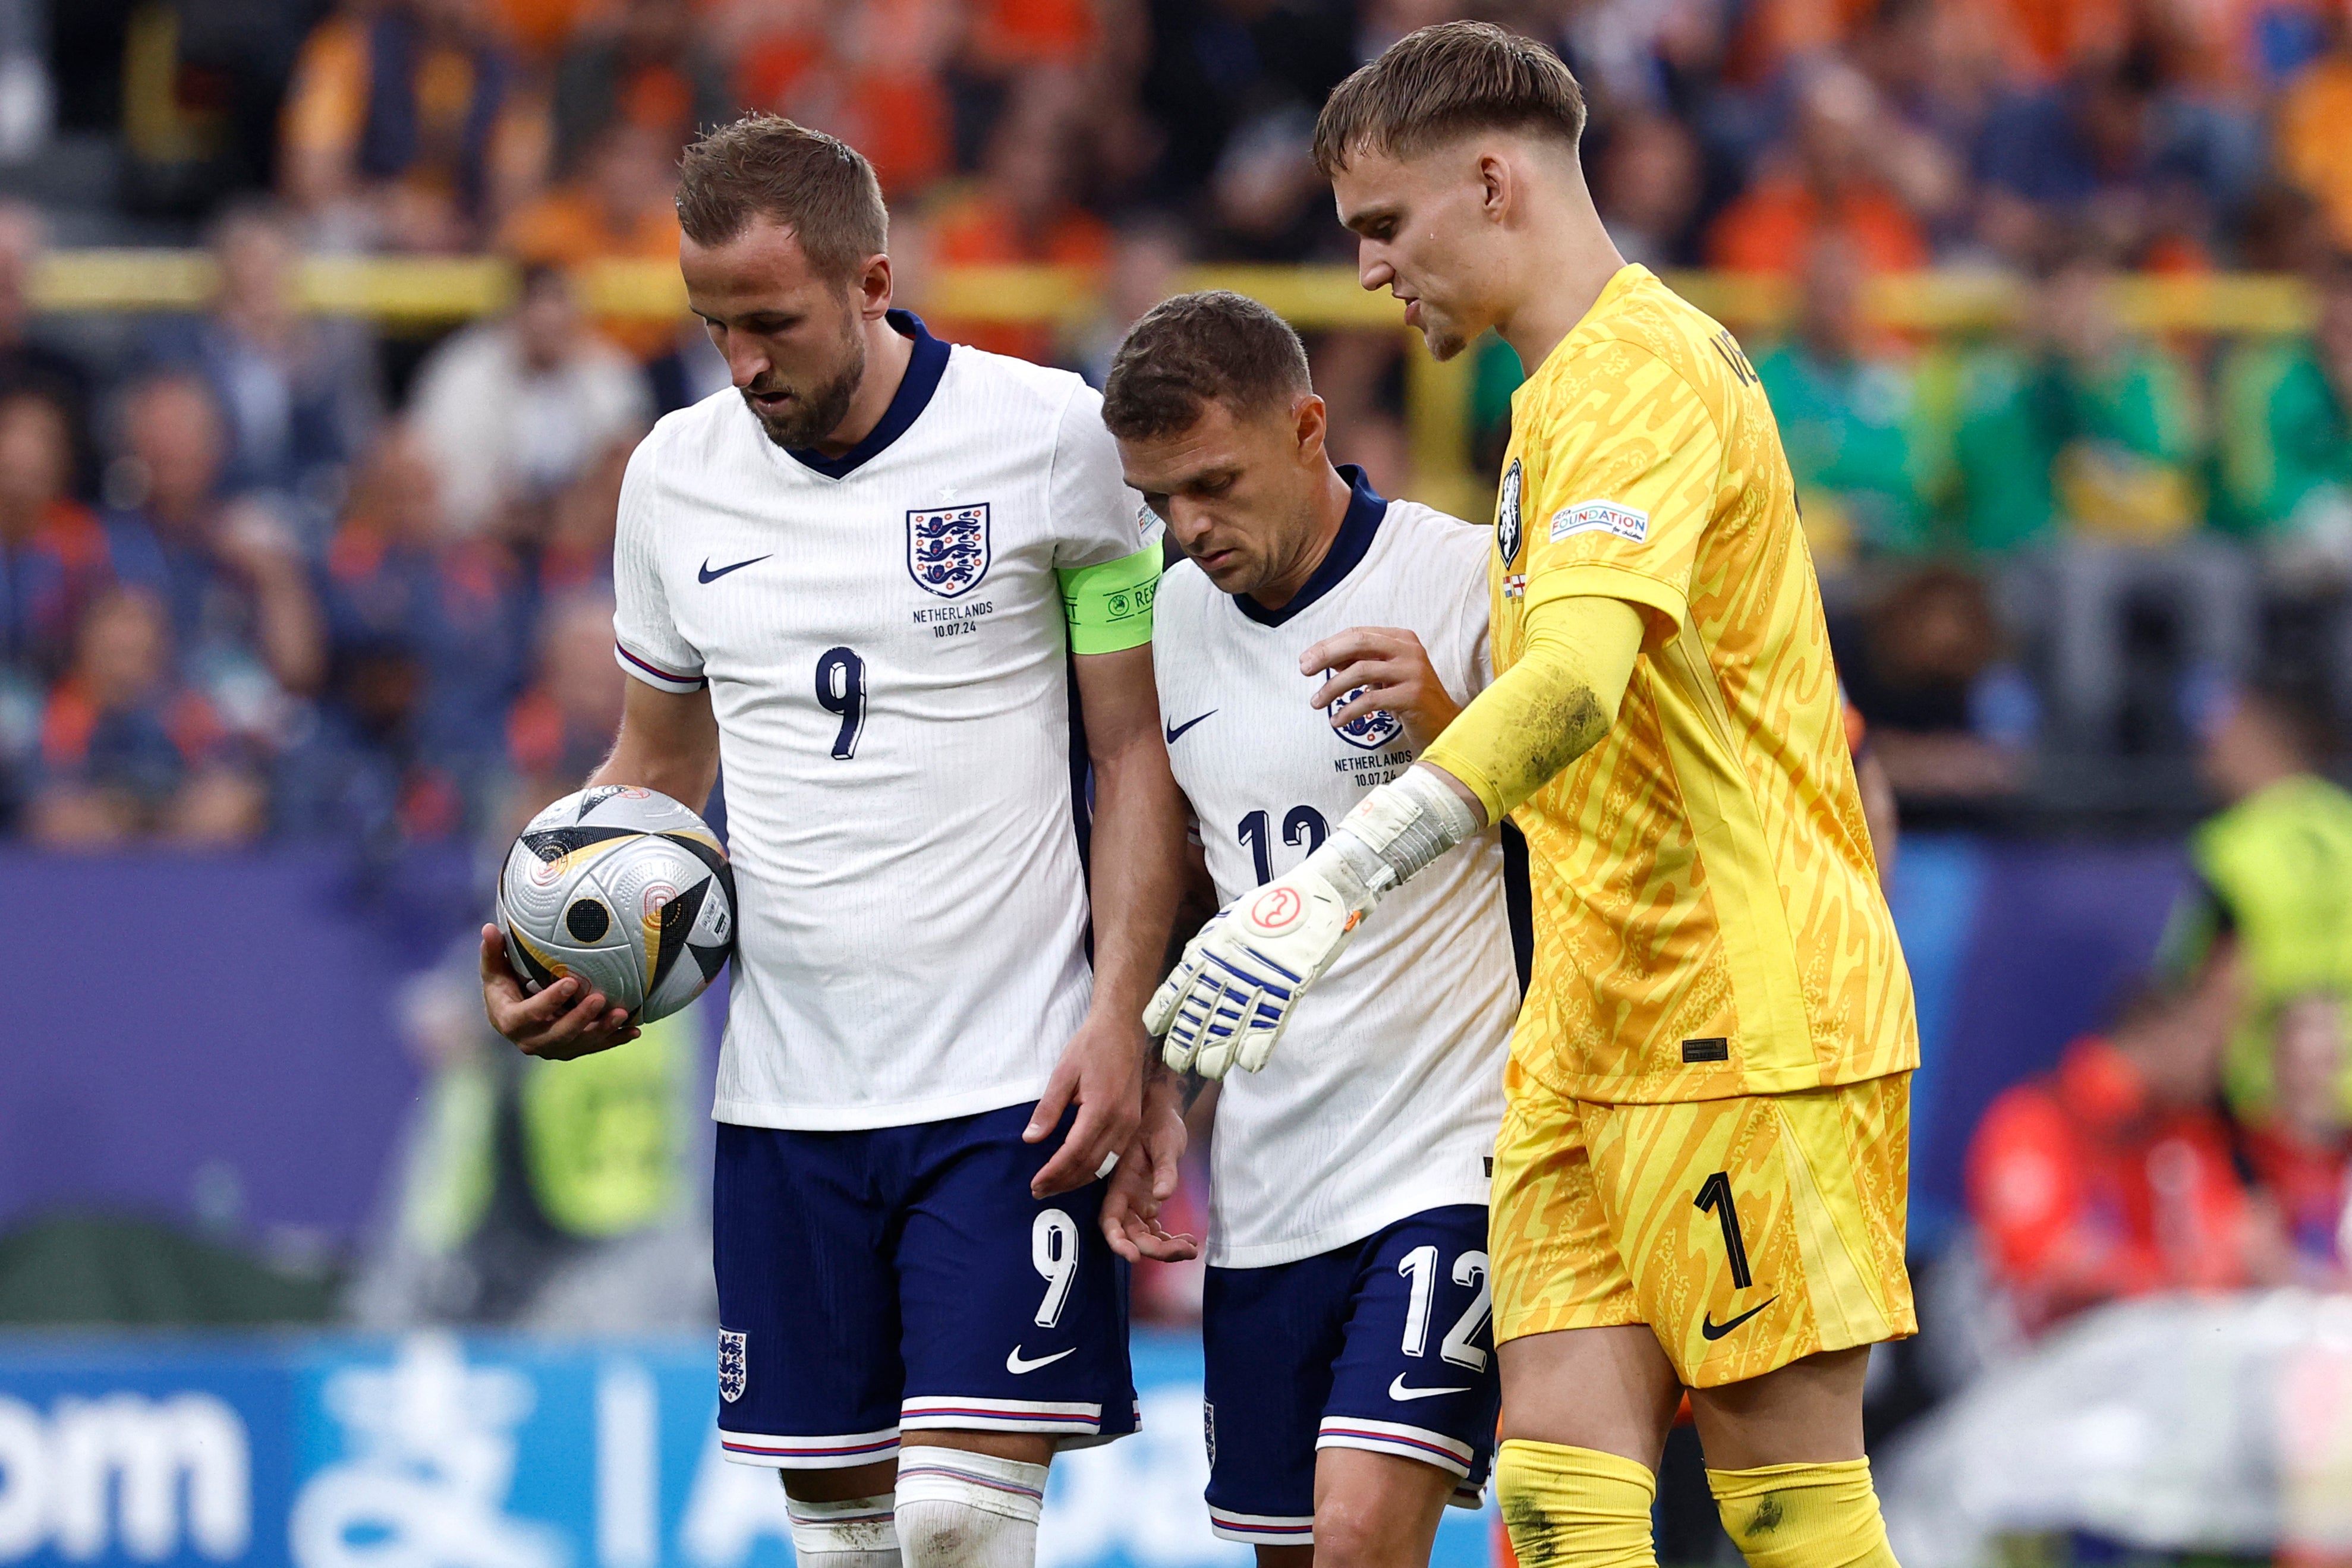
x: 734, y: 1364
x: 947, y: 549
x: 1370, y: 731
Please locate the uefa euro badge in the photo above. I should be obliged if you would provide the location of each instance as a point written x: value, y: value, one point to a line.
x: 1370, y: 732
x: 947, y: 549
x: 734, y: 1364
x: 1507, y: 516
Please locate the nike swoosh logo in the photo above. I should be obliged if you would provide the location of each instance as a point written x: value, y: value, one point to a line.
x: 708, y: 576
x: 1176, y: 729
x: 1015, y: 1364
x: 1397, y: 1390
x: 1710, y: 1330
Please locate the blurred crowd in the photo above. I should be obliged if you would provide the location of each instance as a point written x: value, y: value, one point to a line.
x: 267, y: 572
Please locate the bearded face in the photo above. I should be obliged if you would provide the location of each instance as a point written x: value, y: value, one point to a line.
x: 799, y: 411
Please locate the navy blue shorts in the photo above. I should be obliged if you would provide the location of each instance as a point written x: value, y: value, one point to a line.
x: 902, y: 1279
x: 1382, y: 1344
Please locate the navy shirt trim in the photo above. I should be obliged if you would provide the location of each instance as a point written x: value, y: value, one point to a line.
x: 924, y: 368
x: 1366, y: 507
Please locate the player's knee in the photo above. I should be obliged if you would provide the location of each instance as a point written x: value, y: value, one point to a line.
x: 960, y: 1509
x: 1349, y: 1534
x: 1575, y: 1508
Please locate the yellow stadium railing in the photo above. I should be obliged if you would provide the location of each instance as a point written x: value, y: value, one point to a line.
x: 408, y: 291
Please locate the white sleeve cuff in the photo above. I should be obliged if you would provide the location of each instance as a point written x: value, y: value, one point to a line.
x: 661, y: 677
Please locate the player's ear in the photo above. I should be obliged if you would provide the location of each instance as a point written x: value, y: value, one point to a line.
x: 874, y: 287
x: 1498, y: 186
x: 1313, y: 424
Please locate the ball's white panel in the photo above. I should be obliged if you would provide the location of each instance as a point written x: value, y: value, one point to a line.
x: 584, y: 888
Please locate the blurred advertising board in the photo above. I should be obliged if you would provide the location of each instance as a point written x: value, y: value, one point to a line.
x: 442, y: 1451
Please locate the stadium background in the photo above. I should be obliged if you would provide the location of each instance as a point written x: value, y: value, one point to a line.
x: 325, y: 330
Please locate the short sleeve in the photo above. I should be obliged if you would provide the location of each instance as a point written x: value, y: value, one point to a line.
x: 1096, y: 519
x: 1620, y: 494
x: 644, y: 637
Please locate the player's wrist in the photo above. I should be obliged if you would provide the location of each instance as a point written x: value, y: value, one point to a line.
x: 1393, y: 833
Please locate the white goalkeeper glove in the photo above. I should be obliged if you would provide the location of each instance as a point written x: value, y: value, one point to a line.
x: 1231, y: 994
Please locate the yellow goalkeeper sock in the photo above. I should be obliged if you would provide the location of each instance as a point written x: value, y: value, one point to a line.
x: 1575, y: 1508
x: 1803, y: 1516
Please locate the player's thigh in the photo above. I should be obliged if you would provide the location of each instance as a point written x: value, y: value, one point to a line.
x: 1013, y: 1309
x: 1579, y: 1367
x: 1415, y: 1377
x: 840, y: 1486
x: 809, y: 1373
x: 1609, y: 1389
x: 1759, y: 1231
x: 1269, y: 1337
x: 1806, y: 1412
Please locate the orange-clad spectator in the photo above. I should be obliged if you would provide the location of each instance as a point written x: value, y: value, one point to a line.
x: 1824, y: 182
x: 1016, y: 34
x: 618, y: 206
x: 407, y: 126
x: 537, y: 29
x: 2302, y: 1155
x: 2314, y: 129
x: 1021, y: 211
x: 2111, y: 1176
x: 127, y: 752
x: 2046, y: 37
x: 868, y: 73
x: 647, y: 66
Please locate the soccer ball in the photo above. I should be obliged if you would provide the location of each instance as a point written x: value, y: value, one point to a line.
x: 626, y: 888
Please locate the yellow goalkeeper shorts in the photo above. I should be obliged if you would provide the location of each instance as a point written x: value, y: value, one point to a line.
x: 1745, y: 1233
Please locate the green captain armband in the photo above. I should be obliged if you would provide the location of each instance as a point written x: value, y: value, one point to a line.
x: 1109, y: 606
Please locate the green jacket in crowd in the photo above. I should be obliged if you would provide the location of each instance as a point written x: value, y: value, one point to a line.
x: 2134, y: 428
x: 1848, y: 432
x: 2285, y: 435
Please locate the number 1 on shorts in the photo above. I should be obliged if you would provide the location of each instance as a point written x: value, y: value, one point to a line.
x: 1715, y: 1194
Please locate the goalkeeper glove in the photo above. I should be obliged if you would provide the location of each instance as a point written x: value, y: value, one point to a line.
x: 1231, y: 995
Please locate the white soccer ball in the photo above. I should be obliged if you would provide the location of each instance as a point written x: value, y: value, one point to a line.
x: 626, y: 888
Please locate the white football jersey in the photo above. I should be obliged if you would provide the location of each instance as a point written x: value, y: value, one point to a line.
x: 884, y: 641
x: 1384, y: 1096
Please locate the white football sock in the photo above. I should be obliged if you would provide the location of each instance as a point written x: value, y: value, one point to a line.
x: 958, y: 1510
x: 859, y: 1534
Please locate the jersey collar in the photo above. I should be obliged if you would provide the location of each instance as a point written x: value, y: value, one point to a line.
x: 1366, y: 507
x: 924, y: 368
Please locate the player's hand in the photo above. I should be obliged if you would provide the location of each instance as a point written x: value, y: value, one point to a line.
x: 1394, y: 670
x: 558, y: 1024
x: 1101, y: 1072
x: 1230, y: 997
x: 1146, y: 1179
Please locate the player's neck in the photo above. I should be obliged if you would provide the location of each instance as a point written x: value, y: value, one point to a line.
x: 1563, y: 269
x: 1329, y: 510
x: 887, y: 354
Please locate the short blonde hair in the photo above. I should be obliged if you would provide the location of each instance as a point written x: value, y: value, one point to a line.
x: 1444, y: 81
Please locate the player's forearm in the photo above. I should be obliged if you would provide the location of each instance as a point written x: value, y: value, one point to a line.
x: 1549, y: 709
x: 1137, y: 873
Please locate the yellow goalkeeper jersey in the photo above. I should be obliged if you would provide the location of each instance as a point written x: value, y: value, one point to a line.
x: 1707, y: 917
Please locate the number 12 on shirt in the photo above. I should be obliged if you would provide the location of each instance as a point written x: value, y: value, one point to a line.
x: 1302, y: 828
